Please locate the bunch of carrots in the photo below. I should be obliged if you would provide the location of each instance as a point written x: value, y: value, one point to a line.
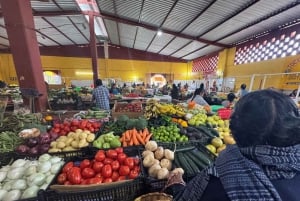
x: 133, y: 137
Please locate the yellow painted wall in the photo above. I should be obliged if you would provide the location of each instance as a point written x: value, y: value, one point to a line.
x: 73, y: 68
x: 242, y: 73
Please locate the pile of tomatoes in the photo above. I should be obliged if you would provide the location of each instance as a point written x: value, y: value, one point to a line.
x: 107, y: 166
x: 68, y: 126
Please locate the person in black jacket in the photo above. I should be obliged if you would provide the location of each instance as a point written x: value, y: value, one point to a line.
x: 264, y: 165
x: 174, y: 92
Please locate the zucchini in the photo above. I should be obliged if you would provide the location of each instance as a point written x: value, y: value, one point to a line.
x: 185, y: 149
x: 206, y: 131
x: 202, y: 157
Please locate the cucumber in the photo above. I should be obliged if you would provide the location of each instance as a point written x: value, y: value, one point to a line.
x: 202, y: 157
x: 196, y: 160
x: 184, y: 164
x: 192, y: 164
x: 206, y: 131
x: 185, y: 149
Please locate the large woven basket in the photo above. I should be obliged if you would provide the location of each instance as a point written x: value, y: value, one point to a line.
x: 156, y: 196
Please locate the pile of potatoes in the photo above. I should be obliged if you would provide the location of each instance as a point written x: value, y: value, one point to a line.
x: 72, y: 141
x: 158, y: 160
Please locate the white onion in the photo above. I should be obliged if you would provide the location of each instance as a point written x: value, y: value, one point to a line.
x: 12, y: 195
x: 44, y: 167
x: 19, y: 163
x: 16, y: 173
x: 30, y: 192
x: 2, y: 193
x: 55, y: 168
x: 55, y: 159
x: 36, y: 179
x: 19, y: 184
x: 44, y: 158
x: 2, y: 176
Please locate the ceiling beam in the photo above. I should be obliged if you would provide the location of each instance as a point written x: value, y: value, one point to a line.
x: 46, y: 36
x: 153, y: 28
x: 229, y: 17
x: 58, y: 6
x: 180, y: 48
x: 139, y: 20
x: 62, y: 33
x: 118, y: 29
x: 166, y: 45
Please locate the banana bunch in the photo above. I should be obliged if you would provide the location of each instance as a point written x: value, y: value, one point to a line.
x: 180, y: 112
x: 151, y: 109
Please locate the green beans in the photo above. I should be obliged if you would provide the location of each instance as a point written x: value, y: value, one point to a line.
x: 9, y: 141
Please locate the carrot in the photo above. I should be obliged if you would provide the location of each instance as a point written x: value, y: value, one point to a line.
x: 148, y: 137
x: 134, y: 137
x: 130, y: 143
x: 127, y: 135
x: 124, y: 144
x: 122, y: 139
x: 140, y: 138
x: 146, y: 131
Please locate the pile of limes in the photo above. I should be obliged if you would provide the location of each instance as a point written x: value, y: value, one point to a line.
x: 168, y: 134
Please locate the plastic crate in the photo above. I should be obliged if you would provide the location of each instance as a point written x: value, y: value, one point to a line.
x: 224, y: 113
x: 6, y: 158
x: 124, y: 192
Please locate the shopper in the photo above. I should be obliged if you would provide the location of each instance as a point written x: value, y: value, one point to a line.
x: 294, y: 93
x: 198, y: 97
x: 114, y: 90
x: 174, y: 92
x: 101, y: 95
x: 265, y: 163
x: 229, y: 103
x: 243, y: 91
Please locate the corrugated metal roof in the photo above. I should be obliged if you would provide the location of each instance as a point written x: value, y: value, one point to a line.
x: 143, y: 38
x: 154, y: 12
x: 204, y: 51
x: 112, y: 31
x: 187, y: 49
x: 241, y: 19
x: 187, y: 25
x: 159, y: 42
x: 176, y: 44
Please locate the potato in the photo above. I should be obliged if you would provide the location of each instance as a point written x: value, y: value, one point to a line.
x: 82, y: 143
x: 76, y: 136
x: 78, y: 131
x: 69, y: 141
x: 60, y: 145
x: 83, y: 135
x: 74, y: 144
x: 54, y: 150
x: 90, y: 137
x: 71, y: 134
x: 69, y: 148
x: 53, y: 144
x: 62, y: 138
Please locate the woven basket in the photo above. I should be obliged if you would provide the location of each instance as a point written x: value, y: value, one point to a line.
x: 156, y: 196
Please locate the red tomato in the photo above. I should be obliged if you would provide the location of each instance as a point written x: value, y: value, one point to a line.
x: 67, y: 124
x: 106, y: 171
x: 115, y: 165
x: 56, y: 125
x: 74, y: 175
x: 56, y: 130
x: 73, y: 128
x: 85, y: 163
x: 85, y: 181
x: 97, y: 166
x: 107, y: 180
x: 115, y: 176
x: 62, y: 178
x: 62, y: 132
x: 133, y: 174
x: 111, y: 154
x: 124, y: 170
x: 100, y: 156
x: 92, y: 129
x: 62, y: 126
x: 137, y: 168
x: 99, y: 175
x: 67, y: 167
x: 136, y: 161
x: 96, y: 180
x: 88, y: 125
x: 67, y: 183
x: 119, y: 150
x: 67, y: 129
x: 107, y: 161
x: 88, y: 172
x: 121, y: 178
x: 121, y: 157
x: 75, y: 122
x: 83, y: 123
x: 129, y: 162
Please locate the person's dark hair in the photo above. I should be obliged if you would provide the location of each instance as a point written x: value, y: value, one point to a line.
x: 198, y: 91
x: 98, y: 82
x: 201, y: 86
x: 265, y: 117
x: 243, y: 86
x: 230, y: 97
